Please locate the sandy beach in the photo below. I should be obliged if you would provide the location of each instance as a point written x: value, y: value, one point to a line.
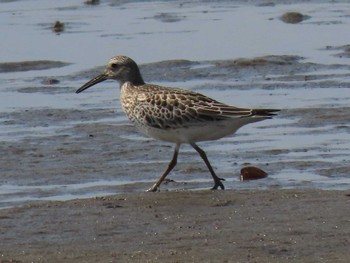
x: 182, y: 226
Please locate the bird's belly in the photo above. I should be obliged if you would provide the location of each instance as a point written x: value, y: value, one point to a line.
x: 194, y: 133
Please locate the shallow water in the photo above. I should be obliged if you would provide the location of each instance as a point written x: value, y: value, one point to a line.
x: 305, y: 146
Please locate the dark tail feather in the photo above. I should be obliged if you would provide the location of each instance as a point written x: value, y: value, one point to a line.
x: 264, y: 112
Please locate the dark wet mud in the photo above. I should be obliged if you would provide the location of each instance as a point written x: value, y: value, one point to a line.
x: 30, y: 65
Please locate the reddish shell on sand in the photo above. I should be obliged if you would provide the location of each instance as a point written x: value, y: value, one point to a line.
x: 252, y: 173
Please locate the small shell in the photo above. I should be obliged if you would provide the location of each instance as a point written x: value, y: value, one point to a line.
x: 252, y: 173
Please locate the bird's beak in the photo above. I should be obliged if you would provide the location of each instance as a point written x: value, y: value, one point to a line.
x: 92, y: 82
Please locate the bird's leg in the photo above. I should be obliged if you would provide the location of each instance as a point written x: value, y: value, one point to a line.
x: 171, y: 165
x: 217, y: 180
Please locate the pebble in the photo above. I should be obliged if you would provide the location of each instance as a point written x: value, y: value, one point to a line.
x: 58, y: 27
x: 292, y: 17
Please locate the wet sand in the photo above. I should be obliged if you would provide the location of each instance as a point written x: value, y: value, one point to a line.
x: 182, y: 226
x: 94, y: 150
x: 274, y: 225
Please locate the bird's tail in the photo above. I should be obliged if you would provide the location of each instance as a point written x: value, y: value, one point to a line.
x: 264, y: 113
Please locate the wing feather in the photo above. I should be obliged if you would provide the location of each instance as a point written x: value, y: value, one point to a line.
x: 167, y: 108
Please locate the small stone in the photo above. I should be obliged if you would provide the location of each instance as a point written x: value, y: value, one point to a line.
x: 292, y: 17
x: 58, y: 27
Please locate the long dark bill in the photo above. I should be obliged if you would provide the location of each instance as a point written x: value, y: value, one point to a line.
x: 92, y: 82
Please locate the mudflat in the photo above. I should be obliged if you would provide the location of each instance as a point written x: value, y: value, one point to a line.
x: 56, y: 145
x: 182, y: 226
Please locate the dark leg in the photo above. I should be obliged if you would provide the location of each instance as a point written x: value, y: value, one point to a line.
x: 171, y: 165
x: 217, y: 180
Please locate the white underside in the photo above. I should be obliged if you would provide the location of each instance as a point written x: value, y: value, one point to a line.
x: 200, y: 132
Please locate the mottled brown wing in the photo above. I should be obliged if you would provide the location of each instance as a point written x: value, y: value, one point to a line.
x: 176, y: 108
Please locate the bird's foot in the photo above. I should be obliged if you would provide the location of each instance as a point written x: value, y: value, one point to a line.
x: 154, y: 188
x: 218, y: 184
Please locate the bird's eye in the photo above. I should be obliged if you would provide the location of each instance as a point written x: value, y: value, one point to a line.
x: 114, y: 65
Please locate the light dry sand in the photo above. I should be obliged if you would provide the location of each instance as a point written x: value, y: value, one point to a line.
x: 182, y: 226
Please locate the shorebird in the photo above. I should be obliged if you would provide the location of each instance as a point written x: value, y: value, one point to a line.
x: 175, y: 115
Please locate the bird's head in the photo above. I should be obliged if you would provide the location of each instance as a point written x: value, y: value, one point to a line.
x: 120, y: 68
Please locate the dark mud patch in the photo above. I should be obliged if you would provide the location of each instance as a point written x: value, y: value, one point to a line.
x: 344, y: 51
x: 59, y: 27
x: 47, y: 89
x: 338, y: 117
x: 186, y: 70
x: 92, y: 2
x: 262, y: 61
x: 52, y: 117
x: 336, y: 171
x: 220, y: 69
x: 278, y: 70
x: 271, y: 68
x: 169, y: 17
x: 281, y: 68
x: 50, y: 81
x: 31, y: 65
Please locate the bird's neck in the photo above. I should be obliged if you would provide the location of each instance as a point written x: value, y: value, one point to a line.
x: 134, y: 82
x: 137, y: 81
x: 134, y: 77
